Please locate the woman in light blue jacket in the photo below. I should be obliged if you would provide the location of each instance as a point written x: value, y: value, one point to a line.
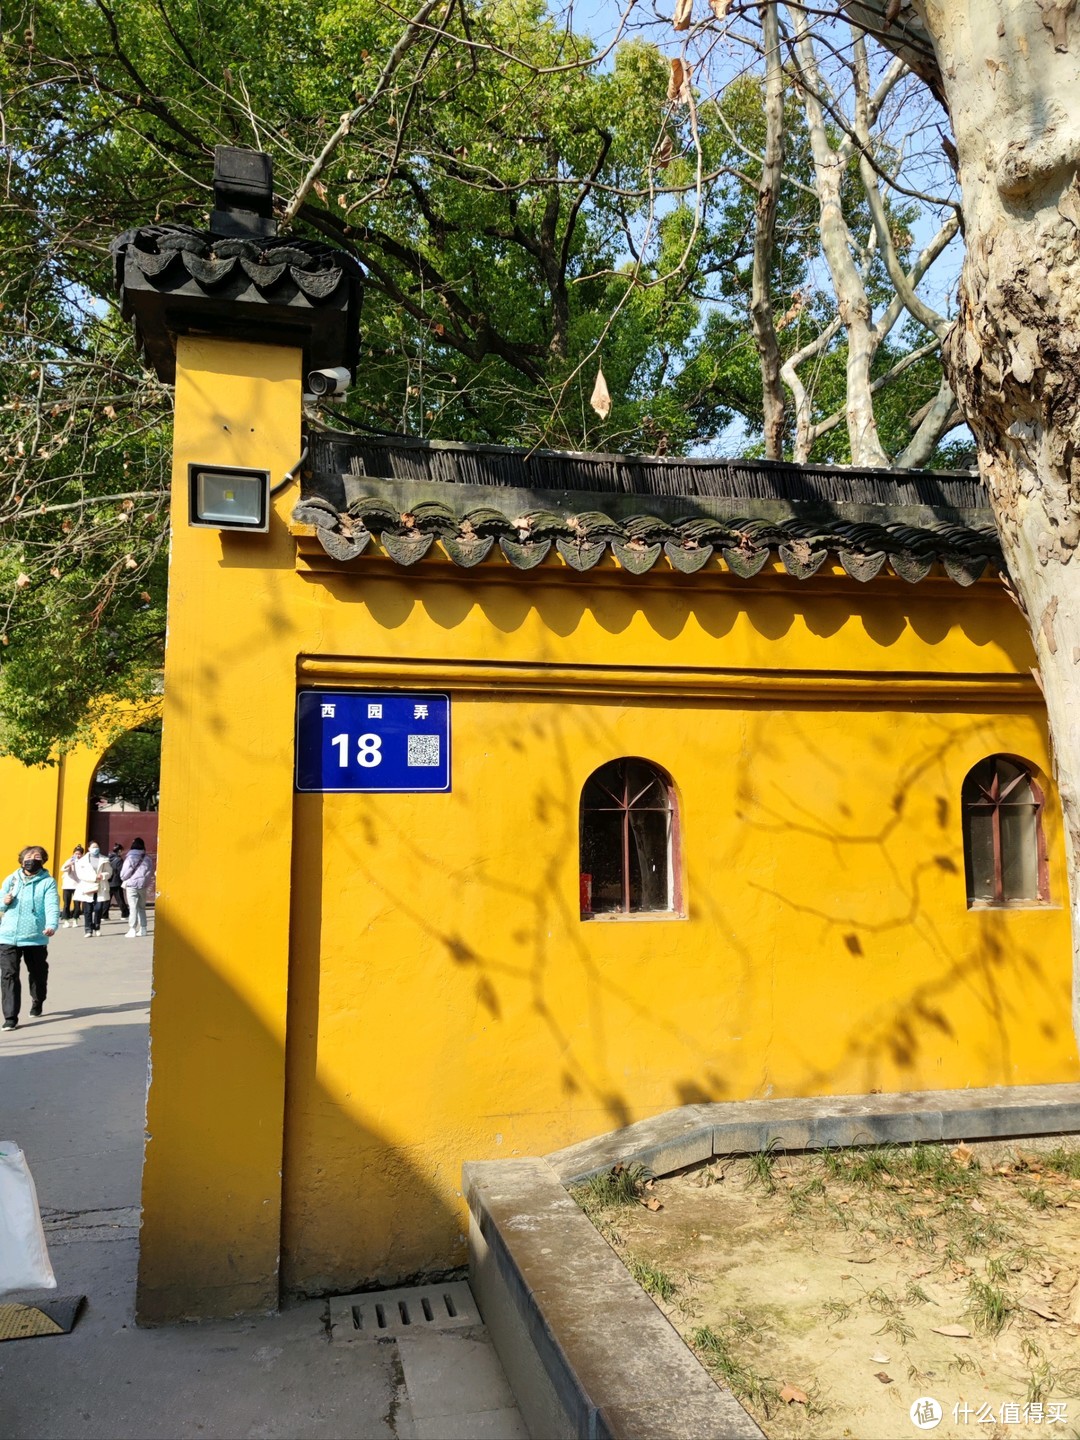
x: 29, y: 915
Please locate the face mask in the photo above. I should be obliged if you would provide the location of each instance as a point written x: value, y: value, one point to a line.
x: 94, y: 851
x: 32, y: 866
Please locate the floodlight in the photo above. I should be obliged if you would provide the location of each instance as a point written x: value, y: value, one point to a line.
x: 225, y: 498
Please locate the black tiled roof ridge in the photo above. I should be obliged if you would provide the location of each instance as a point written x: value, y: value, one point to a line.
x: 407, y: 458
x: 745, y: 544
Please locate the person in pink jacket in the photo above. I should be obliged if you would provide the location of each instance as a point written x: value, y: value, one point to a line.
x: 136, y: 874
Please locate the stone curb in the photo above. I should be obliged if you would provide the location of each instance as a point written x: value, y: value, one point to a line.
x: 695, y: 1133
x: 586, y: 1351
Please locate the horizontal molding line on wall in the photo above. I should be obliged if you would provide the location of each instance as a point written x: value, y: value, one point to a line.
x: 870, y: 689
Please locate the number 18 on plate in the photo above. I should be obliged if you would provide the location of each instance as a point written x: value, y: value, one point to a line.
x: 362, y: 740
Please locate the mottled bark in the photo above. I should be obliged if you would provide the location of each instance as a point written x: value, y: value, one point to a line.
x: 1010, y: 76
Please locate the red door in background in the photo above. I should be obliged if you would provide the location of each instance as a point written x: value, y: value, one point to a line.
x: 109, y: 826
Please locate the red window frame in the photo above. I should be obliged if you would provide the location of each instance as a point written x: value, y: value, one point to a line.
x: 984, y: 793
x: 624, y: 802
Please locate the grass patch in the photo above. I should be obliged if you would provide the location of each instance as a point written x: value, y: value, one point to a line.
x: 759, y: 1168
x: 1037, y: 1198
x: 979, y: 1233
x: 716, y: 1348
x: 802, y: 1200
x: 651, y: 1278
x: 933, y: 1168
x: 861, y: 1166
x: 915, y: 1294
x: 988, y: 1306
x: 615, y: 1189
x: 1065, y: 1162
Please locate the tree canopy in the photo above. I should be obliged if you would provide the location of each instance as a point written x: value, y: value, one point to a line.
x: 527, y: 210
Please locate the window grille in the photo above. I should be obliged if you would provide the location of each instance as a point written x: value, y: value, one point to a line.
x: 628, y: 838
x: 1004, y: 849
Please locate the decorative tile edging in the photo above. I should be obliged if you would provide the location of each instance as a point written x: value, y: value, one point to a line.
x: 471, y: 535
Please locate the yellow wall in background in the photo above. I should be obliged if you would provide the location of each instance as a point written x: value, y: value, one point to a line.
x: 364, y: 991
x: 48, y: 804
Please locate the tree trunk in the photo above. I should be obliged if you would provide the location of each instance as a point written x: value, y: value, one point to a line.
x: 772, y: 175
x: 1010, y: 74
x: 852, y: 301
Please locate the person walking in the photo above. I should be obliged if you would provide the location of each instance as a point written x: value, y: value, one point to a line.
x: 72, y: 911
x: 116, y: 889
x: 29, y: 917
x: 93, y: 873
x: 136, y: 874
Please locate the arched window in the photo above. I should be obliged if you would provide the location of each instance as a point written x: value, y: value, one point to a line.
x: 628, y: 840
x: 1004, y: 851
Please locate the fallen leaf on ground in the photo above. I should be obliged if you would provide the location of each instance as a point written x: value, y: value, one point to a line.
x: 885, y: 1379
x: 962, y: 1155
x: 958, y: 1332
x: 918, y: 1274
x: 652, y: 1204
x: 792, y: 1395
x: 859, y: 1259
x: 880, y: 1359
x: 1043, y: 1311
x: 979, y: 1207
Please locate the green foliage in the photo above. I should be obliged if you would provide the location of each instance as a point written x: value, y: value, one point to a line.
x: 988, y: 1306
x: 760, y: 1165
x: 616, y: 1188
x: 130, y: 770
x: 654, y: 1281
x: 721, y: 1349
x: 523, y: 214
x: 1066, y: 1162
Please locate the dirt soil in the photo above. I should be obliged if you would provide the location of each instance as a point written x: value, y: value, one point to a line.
x: 832, y: 1292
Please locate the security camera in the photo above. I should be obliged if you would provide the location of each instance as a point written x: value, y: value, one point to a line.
x: 329, y: 382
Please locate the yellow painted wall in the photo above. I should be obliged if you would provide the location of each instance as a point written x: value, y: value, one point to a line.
x: 407, y: 983
x: 49, y: 803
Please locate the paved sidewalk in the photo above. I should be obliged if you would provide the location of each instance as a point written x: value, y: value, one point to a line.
x: 72, y: 1094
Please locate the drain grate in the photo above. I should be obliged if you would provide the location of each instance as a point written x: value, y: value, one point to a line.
x: 408, y: 1311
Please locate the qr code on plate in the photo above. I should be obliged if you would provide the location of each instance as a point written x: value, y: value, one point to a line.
x: 423, y: 750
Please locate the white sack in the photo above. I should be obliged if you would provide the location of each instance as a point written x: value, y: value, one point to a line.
x: 24, y: 1260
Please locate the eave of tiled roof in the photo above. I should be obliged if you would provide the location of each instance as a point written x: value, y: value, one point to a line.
x: 685, y: 516
x: 173, y: 279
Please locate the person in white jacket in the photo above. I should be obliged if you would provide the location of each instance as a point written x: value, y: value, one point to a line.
x: 136, y: 873
x: 92, y: 873
x: 72, y: 911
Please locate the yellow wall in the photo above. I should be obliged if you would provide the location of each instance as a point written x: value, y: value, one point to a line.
x: 441, y: 997
x: 49, y: 803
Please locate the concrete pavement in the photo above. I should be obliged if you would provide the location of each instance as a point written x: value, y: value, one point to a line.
x: 72, y: 1094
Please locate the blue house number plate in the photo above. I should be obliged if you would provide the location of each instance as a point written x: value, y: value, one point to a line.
x: 364, y: 740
